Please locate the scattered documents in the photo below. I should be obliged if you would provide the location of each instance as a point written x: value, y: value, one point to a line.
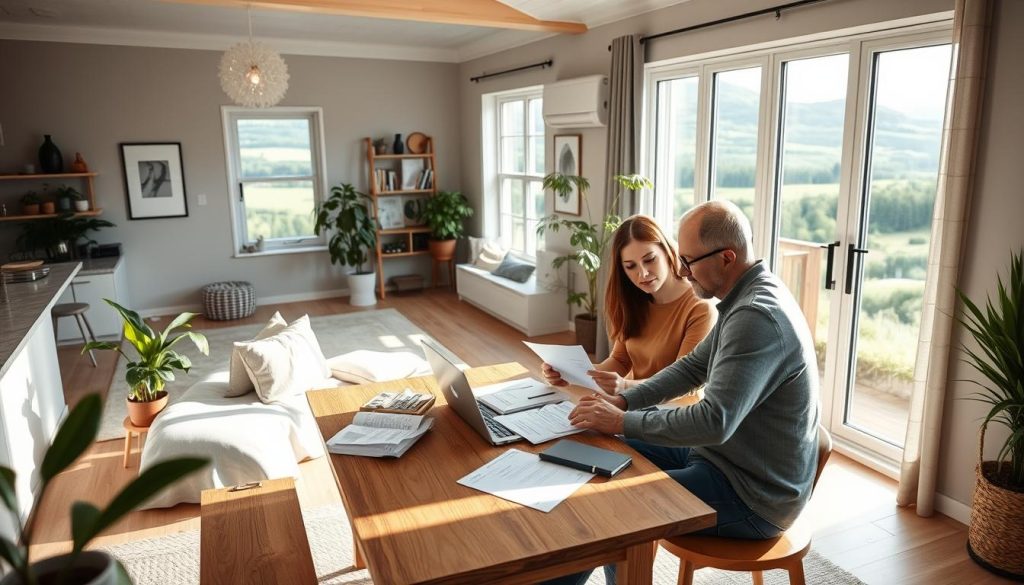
x: 570, y: 361
x: 517, y: 395
x: 377, y: 434
x: 521, y: 477
x: 541, y: 424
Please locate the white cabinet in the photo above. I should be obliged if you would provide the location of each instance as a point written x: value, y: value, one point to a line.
x: 528, y: 306
x: 92, y: 289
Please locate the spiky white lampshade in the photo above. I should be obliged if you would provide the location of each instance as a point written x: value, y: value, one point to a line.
x: 253, y: 75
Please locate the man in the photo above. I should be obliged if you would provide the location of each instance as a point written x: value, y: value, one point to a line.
x: 749, y: 448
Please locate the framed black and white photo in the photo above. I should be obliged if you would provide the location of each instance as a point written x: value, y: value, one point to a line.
x: 567, y: 162
x: 389, y: 213
x: 154, y: 180
x: 412, y: 210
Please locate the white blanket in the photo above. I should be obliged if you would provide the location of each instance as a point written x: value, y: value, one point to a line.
x: 245, y: 439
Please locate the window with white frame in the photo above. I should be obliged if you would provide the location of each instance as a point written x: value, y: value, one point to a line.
x: 519, y: 148
x: 276, y: 171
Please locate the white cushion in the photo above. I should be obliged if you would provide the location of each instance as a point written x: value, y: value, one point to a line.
x: 239, y: 383
x: 364, y: 366
x: 490, y: 256
x: 284, y: 364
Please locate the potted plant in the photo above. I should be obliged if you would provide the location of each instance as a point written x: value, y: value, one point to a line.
x: 81, y: 202
x: 443, y: 214
x: 156, y: 362
x: 355, y: 232
x: 76, y: 434
x: 30, y: 203
x: 58, y: 238
x: 998, y: 511
x: 589, y: 241
x: 66, y: 196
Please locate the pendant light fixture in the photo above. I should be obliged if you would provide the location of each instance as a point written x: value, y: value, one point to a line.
x: 252, y: 74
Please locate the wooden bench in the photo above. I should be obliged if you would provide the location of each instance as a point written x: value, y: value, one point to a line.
x: 254, y: 536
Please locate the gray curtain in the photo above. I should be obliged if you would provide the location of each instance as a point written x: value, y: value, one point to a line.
x: 625, y: 93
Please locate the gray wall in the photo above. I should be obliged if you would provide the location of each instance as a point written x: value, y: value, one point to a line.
x: 998, y: 205
x: 92, y: 97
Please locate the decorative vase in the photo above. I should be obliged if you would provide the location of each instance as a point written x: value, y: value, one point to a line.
x: 48, y: 207
x: 90, y: 568
x: 81, y: 205
x: 50, y: 159
x: 398, y: 147
x: 143, y: 413
x: 586, y: 332
x: 79, y: 165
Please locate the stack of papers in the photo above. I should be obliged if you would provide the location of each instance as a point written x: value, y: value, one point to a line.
x: 571, y: 361
x: 517, y: 395
x: 375, y: 434
x: 541, y: 424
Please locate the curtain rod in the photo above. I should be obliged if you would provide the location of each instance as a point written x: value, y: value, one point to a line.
x: 776, y: 9
x: 542, y: 65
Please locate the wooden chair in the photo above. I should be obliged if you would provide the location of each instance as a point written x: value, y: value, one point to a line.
x: 785, y: 551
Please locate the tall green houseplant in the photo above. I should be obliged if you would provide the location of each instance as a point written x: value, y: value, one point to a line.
x: 994, y: 536
x: 347, y: 214
x: 444, y: 213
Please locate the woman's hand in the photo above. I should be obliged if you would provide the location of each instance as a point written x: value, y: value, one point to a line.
x: 552, y: 376
x: 600, y: 413
x: 611, y: 382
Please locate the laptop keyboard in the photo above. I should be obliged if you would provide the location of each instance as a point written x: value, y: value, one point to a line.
x: 496, y: 429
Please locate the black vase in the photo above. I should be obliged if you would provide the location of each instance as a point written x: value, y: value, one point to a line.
x: 398, y: 147
x: 50, y: 160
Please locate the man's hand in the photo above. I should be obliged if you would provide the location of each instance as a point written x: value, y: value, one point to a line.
x: 610, y: 382
x: 604, y: 414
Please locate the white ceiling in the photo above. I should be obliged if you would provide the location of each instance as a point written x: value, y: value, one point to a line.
x: 166, y: 24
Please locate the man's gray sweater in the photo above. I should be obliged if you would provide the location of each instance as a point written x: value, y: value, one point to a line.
x: 758, y: 420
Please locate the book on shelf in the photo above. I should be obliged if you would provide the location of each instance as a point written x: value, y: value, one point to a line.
x: 379, y: 434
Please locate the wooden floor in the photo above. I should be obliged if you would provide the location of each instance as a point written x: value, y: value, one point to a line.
x: 857, y: 524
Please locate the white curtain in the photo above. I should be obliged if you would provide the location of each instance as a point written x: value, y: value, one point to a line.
x: 919, y: 467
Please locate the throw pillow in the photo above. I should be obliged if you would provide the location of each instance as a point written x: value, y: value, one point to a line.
x: 515, y: 269
x: 239, y: 383
x: 284, y: 364
x: 490, y: 257
x: 364, y: 366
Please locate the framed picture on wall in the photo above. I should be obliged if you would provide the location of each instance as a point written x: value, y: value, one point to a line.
x: 567, y: 162
x: 389, y: 212
x: 154, y: 180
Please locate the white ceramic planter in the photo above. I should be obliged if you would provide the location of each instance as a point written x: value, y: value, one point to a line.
x: 82, y: 205
x: 361, y: 289
x: 100, y: 567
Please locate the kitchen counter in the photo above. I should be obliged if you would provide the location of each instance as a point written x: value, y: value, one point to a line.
x: 25, y: 303
x: 93, y: 266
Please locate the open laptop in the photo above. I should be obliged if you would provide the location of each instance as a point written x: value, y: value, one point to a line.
x: 459, y: 394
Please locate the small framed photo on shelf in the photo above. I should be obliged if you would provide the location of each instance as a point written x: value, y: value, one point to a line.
x: 412, y: 173
x: 567, y: 162
x: 389, y: 213
x: 154, y: 180
x: 412, y: 210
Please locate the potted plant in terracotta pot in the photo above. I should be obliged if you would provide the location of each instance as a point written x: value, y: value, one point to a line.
x: 156, y: 361
x: 444, y: 213
x: 75, y: 435
x: 997, y: 516
x: 589, y: 241
x: 355, y: 232
x: 30, y: 203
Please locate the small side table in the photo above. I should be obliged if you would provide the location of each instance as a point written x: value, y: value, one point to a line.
x: 129, y: 430
x: 437, y: 269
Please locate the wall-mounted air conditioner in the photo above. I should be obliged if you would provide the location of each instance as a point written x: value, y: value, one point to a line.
x: 576, y: 103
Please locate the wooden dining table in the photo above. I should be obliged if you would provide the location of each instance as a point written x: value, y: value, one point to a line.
x: 413, y: 523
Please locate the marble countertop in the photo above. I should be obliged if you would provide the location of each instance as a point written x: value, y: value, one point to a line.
x: 25, y: 302
x: 92, y: 266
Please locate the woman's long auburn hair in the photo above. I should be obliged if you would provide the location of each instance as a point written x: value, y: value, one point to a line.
x: 625, y: 305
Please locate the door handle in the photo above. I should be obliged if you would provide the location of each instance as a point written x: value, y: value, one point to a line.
x: 851, y: 250
x: 830, y: 283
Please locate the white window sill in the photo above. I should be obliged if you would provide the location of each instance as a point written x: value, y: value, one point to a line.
x: 279, y: 251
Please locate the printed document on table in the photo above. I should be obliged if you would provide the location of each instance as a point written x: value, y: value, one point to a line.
x: 541, y: 424
x: 521, y: 477
x: 570, y: 361
x: 516, y: 395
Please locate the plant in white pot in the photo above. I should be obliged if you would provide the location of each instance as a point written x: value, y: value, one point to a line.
x: 589, y: 242
x: 996, y: 532
x: 444, y: 213
x: 156, y: 361
x: 346, y: 213
x: 80, y: 567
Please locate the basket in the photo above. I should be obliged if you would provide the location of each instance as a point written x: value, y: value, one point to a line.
x: 229, y: 300
x: 995, y: 538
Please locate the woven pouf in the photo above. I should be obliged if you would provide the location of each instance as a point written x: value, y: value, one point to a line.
x: 229, y: 300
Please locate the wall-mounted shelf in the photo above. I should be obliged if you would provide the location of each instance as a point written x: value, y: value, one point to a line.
x: 90, y: 213
x: 89, y: 194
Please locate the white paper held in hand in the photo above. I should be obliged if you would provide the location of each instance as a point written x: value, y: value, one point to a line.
x: 570, y: 361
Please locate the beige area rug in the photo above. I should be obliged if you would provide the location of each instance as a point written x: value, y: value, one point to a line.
x: 174, y: 559
x: 381, y: 330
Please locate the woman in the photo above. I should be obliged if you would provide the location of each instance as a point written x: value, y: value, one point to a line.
x: 652, y: 313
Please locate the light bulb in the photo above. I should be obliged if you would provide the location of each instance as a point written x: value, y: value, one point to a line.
x: 253, y: 75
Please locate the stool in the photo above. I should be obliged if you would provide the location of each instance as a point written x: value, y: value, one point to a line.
x: 229, y: 300
x: 76, y: 310
x: 129, y: 430
x: 437, y: 269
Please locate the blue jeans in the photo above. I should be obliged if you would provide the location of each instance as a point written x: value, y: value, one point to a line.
x: 734, y: 519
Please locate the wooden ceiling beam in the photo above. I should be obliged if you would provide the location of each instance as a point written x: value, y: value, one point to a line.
x: 487, y: 13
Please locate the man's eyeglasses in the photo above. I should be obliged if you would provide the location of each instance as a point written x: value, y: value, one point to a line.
x: 688, y: 263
